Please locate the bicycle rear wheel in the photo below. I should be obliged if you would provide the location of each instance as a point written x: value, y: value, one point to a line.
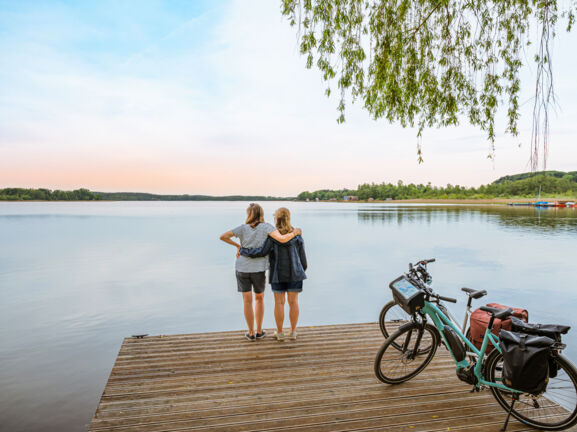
x: 401, y: 358
x: 555, y: 409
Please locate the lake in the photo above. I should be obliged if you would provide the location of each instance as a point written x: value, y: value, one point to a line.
x: 76, y: 278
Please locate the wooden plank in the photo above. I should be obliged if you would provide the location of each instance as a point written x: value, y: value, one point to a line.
x: 322, y: 382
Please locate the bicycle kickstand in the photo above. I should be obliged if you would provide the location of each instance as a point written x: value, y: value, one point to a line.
x: 515, y: 399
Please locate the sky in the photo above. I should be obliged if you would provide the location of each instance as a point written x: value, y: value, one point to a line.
x: 213, y: 97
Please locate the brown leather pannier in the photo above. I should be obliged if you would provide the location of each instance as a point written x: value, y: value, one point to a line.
x: 480, y: 321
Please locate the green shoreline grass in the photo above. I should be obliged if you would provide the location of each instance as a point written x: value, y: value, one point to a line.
x: 499, y: 201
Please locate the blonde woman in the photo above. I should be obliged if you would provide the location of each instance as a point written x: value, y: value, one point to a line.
x: 250, y: 271
x: 287, y: 263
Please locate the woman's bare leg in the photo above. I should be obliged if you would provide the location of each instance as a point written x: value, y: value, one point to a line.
x: 279, y: 299
x: 293, y: 301
x: 248, y: 311
x: 259, y: 311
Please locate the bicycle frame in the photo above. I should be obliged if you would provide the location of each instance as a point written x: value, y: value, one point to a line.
x: 440, y: 320
x: 467, y: 308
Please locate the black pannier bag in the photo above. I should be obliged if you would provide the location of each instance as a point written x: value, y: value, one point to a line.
x: 410, y: 297
x: 553, y: 331
x: 525, y: 361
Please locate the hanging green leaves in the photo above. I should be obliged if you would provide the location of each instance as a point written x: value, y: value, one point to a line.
x: 432, y: 63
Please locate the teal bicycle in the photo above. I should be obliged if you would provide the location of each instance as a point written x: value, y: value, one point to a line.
x: 408, y: 351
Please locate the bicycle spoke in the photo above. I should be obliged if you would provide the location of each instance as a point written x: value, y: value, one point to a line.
x: 401, y: 358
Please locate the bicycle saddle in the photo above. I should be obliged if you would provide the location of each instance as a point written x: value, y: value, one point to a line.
x: 501, y: 314
x: 474, y: 293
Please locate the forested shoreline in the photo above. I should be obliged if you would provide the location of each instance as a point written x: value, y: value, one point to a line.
x: 22, y: 194
x: 527, y: 185
x: 138, y: 196
x: 553, y: 184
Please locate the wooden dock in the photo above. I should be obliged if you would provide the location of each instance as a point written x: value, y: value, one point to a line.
x: 323, y: 382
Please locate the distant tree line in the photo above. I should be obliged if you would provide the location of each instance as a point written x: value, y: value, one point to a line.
x: 522, y: 185
x: 572, y: 176
x: 21, y: 194
x: 138, y: 196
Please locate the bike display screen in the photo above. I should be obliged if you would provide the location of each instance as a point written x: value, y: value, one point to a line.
x: 410, y: 297
x: 406, y: 288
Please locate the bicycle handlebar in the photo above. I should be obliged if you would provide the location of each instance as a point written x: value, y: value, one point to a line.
x: 422, y: 264
x: 447, y: 299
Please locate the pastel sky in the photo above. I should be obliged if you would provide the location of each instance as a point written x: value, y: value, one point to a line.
x: 212, y: 97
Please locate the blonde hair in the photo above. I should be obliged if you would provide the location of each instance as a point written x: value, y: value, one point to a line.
x: 254, y: 215
x: 283, y: 220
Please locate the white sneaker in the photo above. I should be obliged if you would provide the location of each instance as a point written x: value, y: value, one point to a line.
x: 279, y: 336
x: 293, y: 335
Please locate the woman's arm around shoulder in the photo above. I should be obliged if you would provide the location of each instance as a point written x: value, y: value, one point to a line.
x: 264, y: 250
x: 284, y: 238
x: 302, y: 254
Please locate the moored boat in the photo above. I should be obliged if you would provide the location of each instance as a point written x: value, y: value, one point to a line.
x: 565, y: 204
x: 543, y: 204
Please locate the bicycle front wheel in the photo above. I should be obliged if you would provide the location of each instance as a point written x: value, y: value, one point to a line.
x: 555, y: 409
x: 392, y: 316
x: 401, y: 357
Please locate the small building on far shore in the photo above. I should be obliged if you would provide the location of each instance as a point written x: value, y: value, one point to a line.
x: 351, y: 198
x: 371, y: 199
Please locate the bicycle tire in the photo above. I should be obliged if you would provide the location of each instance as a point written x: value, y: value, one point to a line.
x: 392, y: 317
x: 395, y: 357
x: 561, y: 388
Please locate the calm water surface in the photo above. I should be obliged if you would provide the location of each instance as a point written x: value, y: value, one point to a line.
x: 75, y: 278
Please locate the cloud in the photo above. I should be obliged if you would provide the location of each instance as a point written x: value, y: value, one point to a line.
x: 216, y: 101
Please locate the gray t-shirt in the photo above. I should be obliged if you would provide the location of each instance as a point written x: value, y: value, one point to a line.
x: 252, y: 238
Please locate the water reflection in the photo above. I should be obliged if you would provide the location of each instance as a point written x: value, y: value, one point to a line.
x: 75, y: 278
x: 527, y: 218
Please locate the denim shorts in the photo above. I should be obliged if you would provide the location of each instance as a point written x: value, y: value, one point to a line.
x: 283, y: 287
x: 246, y: 282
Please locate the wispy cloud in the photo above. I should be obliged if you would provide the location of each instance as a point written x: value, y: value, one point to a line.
x: 211, y: 99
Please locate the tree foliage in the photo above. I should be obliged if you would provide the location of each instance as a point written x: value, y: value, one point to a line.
x: 139, y: 196
x: 429, y: 63
x: 522, y: 185
x: 572, y: 176
x: 21, y: 194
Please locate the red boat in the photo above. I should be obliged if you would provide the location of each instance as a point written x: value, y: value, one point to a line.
x: 565, y: 204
